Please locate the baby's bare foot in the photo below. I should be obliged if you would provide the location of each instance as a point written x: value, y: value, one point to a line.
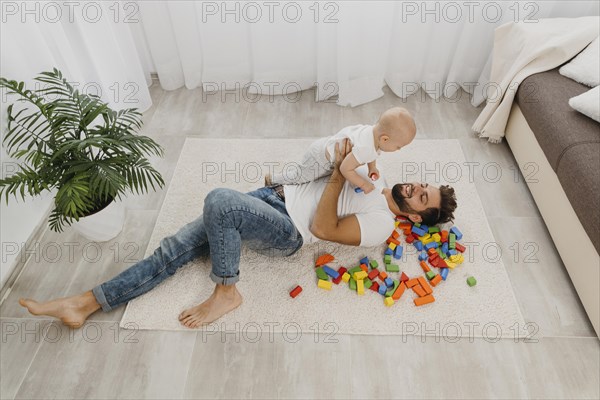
x: 223, y: 300
x: 72, y: 311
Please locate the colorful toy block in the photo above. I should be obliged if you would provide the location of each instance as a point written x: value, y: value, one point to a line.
x: 431, y: 245
x: 471, y: 281
x: 324, y: 259
x: 296, y: 291
x: 403, y: 277
x: 452, y: 252
x: 393, y: 241
x: 392, y: 246
x: 424, y: 300
x: 375, y: 287
x: 459, y: 247
x: 395, y: 234
x: 425, y: 285
x: 422, y: 256
x: 364, y: 260
x: 444, y: 273
x: 360, y: 287
x: 359, y: 276
x: 355, y: 269
x: 368, y: 283
x: 418, y: 231
x: 352, y: 284
x: 324, y: 284
x: 418, y: 245
x: 373, y: 274
x: 358, y: 190
x: 412, y: 282
x: 392, y: 288
x: 382, y: 289
x: 433, y: 229
x: 424, y: 267
x: 399, y: 291
x: 321, y: 274
x: 436, y: 237
x: 331, y: 272
x: 388, y: 301
x: 388, y: 252
x: 341, y: 271
x: 374, y: 264
x: 388, y: 282
x: 445, y: 248
x: 457, y: 233
x: 451, y: 241
x: 346, y: 277
x: 364, y: 267
x: 419, y: 290
x: 383, y: 275
x: 398, y: 252
x: 424, y: 227
x: 387, y: 259
x: 444, y: 236
x: 436, y: 279
x: 430, y: 275
x: 450, y: 264
x: 392, y: 267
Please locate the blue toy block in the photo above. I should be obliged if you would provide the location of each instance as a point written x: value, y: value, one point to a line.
x: 425, y: 228
x: 398, y: 252
x: 445, y: 247
x: 358, y: 190
x: 382, y: 290
x: 422, y: 256
x: 456, y: 232
x: 444, y: 273
x: 431, y: 245
x: 452, y: 252
x: 389, y: 282
x: 418, y: 245
x: 364, y: 260
x: 331, y: 272
x: 418, y: 230
x: 388, y: 252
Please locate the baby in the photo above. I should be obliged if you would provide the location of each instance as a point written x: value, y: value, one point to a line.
x: 394, y: 130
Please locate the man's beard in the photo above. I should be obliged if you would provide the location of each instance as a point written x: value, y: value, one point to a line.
x: 398, y: 196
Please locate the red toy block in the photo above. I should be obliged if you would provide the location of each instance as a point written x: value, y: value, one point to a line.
x: 434, y: 261
x: 459, y: 247
x: 373, y: 274
x: 339, y: 278
x: 375, y: 287
x: 410, y: 239
x: 296, y: 291
x: 441, y: 263
x: 403, y: 277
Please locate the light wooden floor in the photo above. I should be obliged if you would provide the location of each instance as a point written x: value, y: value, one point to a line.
x: 40, y: 359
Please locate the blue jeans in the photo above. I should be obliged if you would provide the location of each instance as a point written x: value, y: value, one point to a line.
x: 259, y: 218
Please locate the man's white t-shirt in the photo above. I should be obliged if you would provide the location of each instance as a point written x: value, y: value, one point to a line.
x: 363, y: 143
x: 375, y: 218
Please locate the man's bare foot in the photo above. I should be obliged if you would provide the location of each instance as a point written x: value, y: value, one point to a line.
x: 223, y: 300
x: 268, y: 181
x: 72, y: 311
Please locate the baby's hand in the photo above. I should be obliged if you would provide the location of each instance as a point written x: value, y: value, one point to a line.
x: 368, y: 187
x: 374, y: 174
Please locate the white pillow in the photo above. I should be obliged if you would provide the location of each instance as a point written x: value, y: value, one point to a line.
x: 588, y: 103
x: 585, y: 67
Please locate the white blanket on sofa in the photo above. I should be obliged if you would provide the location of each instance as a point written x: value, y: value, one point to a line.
x: 522, y: 49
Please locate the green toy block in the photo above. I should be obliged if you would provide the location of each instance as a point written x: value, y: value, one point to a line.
x: 418, y: 225
x: 387, y: 259
x: 374, y: 264
x: 352, y: 283
x: 430, y: 275
x: 355, y: 269
x: 393, y: 288
x: 452, y: 241
x: 471, y: 281
x: 322, y: 274
x: 392, y: 268
x: 439, y: 251
x: 434, y: 229
x: 368, y: 283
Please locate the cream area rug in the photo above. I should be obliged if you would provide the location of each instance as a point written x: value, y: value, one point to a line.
x: 488, y: 309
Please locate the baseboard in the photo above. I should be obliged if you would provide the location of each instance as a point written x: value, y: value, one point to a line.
x: 572, y: 242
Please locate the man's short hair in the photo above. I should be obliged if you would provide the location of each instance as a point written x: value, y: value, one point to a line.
x: 445, y: 213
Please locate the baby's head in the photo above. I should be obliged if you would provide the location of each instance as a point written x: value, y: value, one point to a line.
x: 395, y: 129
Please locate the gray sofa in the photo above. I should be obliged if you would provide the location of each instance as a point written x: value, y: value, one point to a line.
x: 558, y: 151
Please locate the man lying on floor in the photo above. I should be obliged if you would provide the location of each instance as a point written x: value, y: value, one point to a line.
x: 260, y: 218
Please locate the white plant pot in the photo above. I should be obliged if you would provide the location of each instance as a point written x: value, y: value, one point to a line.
x: 104, y: 225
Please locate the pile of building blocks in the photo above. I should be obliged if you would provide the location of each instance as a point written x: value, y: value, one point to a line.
x: 437, y: 249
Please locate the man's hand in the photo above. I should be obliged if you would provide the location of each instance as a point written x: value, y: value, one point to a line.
x: 341, y: 152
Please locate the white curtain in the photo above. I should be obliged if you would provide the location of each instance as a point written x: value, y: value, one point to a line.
x: 353, y: 50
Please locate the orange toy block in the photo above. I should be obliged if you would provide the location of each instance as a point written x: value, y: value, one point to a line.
x: 424, y: 300
x: 392, y: 240
x: 324, y: 259
x: 437, y: 279
x: 395, y: 234
x: 383, y: 275
x: 399, y: 291
x: 431, y: 252
x: 412, y: 282
x: 419, y: 291
x: 364, y: 268
x: 425, y: 285
x: 424, y: 266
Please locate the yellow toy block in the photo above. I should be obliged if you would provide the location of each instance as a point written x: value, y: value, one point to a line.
x: 454, y: 258
x: 388, y: 301
x: 360, y: 287
x: 426, y: 240
x: 461, y: 259
x: 324, y: 284
x: 450, y: 264
x: 436, y: 237
x: 360, y: 275
x: 392, y: 246
x: 346, y: 277
x: 396, y: 224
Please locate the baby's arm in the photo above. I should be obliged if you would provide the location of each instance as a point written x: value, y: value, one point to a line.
x: 348, y: 167
x: 373, y: 170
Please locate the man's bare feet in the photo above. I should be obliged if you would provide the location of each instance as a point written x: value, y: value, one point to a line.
x: 268, y: 181
x: 223, y: 300
x: 72, y: 311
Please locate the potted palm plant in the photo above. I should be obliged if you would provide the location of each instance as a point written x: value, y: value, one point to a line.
x: 77, y: 144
